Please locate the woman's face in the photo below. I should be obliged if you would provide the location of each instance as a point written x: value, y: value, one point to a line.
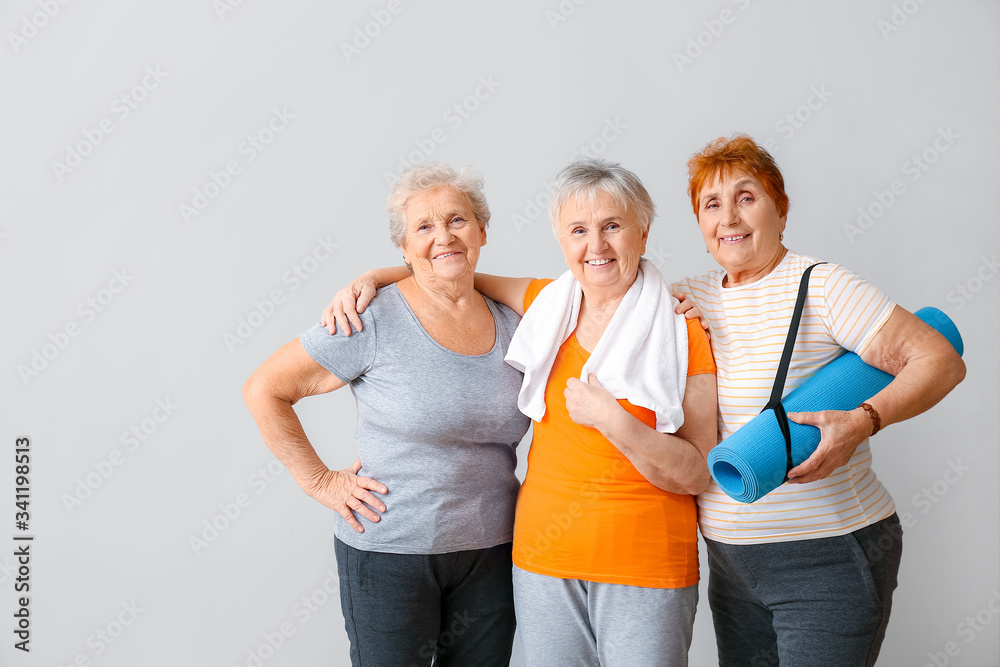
x: 443, y: 237
x: 601, y: 241
x: 741, y: 226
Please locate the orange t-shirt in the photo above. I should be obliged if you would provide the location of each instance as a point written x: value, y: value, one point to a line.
x: 584, y: 511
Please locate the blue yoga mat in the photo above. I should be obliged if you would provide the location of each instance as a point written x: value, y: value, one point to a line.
x: 750, y: 463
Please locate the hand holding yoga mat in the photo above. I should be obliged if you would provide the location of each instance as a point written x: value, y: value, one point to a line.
x: 751, y: 462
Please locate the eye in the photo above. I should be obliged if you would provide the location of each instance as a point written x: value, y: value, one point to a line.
x: 578, y: 231
x: 613, y: 226
x: 711, y: 206
x: 458, y: 220
x: 424, y: 227
x: 746, y: 197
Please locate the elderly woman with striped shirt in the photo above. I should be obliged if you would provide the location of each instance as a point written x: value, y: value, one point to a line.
x: 805, y: 575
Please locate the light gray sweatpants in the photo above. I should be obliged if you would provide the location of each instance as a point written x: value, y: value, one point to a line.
x: 573, y: 622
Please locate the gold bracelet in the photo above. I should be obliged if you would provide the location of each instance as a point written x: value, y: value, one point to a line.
x: 876, y: 420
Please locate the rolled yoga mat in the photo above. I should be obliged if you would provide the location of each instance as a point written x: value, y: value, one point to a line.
x: 751, y: 462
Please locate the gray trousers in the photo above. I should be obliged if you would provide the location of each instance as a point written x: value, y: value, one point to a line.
x: 565, y: 622
x: 813, y: 602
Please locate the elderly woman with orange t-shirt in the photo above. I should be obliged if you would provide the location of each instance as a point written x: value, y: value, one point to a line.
x: 622, y: 394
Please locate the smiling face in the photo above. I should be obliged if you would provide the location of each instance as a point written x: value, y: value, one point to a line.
x: 741, y: 227
x: 602, y: 243
x: 443, y: 237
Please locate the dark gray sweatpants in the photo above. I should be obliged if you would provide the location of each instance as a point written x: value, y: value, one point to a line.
x: 403, y: 610
x: 805, y: 603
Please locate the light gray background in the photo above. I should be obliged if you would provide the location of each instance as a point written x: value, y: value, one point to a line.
x: 556, y: 85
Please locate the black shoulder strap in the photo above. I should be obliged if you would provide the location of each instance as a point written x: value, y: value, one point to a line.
x: 774, y: 403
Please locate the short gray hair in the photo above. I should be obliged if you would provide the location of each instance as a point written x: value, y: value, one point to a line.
x: 588, y: 176
x: 428, y: 176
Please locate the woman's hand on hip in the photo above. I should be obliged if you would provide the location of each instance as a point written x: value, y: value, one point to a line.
x: 841, y: 433
x: 589, y: 403
x: 346, y: 493
x: 347, y: 303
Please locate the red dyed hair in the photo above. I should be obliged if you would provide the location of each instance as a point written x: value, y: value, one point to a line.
x: 738, y: 155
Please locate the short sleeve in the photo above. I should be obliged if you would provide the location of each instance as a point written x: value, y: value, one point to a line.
x: 347, y: 357
x: 855, y: 309
x: 534, y: 288
x: 700, y: 359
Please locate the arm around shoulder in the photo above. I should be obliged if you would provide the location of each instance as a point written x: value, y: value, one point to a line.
x: 351, y: 300
x: 508, y: 291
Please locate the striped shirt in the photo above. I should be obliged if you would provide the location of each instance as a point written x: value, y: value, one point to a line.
x: 748, y: 325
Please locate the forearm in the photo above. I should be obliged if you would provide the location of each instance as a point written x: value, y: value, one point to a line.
x: 508, y: 291
x: 918, y: 386
x: 388, y: 275
x: 924, y: 374
x: 284, y: 436
x: 669, y: 462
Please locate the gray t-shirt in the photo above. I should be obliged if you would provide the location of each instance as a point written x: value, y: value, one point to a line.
x: 438, y: 428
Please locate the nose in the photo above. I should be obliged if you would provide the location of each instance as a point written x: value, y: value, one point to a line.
x: 443, y: 234
x: 731, y: 215
x: 597, y: 243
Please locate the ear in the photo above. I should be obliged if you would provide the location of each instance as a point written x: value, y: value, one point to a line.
x: 482, y: 227
x: 645, y: 237
x: 402, y: 247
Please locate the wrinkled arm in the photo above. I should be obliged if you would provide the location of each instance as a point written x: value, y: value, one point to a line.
x: 675, y: 462
x: 926, y: 368
x: 289, y: 375
x: 508, y: 291
x: 353, y: 299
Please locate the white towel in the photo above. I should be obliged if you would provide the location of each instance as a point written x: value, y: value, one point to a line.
x: 642, y: 355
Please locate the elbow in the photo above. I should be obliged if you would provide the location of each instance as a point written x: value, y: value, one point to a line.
x: 702, y: 477
x: 699, y: 482
x: 959, y: 371
x: 260, y: 393
x: 694, y: 482
x: 251, y: 391
x: 951, y: 369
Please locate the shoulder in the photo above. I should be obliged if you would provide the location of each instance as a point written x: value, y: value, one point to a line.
x: 385, y: 308
x: 387, y: 304
x: 700, y: 359
x: 829, y: 274
x: 699, y: 286
x: 506, y: 318
x: 535, y: 288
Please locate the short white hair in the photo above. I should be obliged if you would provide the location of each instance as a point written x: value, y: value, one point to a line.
x: 588, y: 176
x: 428, y: 176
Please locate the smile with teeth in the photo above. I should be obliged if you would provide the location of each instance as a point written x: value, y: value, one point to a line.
x: 447, y: 254
x: 599, y: 262
x: 734, y: 239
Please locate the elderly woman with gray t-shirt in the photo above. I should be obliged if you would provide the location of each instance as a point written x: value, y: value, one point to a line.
x: 437, y: 428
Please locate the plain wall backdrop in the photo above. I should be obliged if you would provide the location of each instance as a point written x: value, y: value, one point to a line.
x: 184, y: 185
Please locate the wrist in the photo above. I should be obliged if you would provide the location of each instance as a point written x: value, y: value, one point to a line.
x: 311, y: 479
x: 612, y: 419
x: 871, y: 417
